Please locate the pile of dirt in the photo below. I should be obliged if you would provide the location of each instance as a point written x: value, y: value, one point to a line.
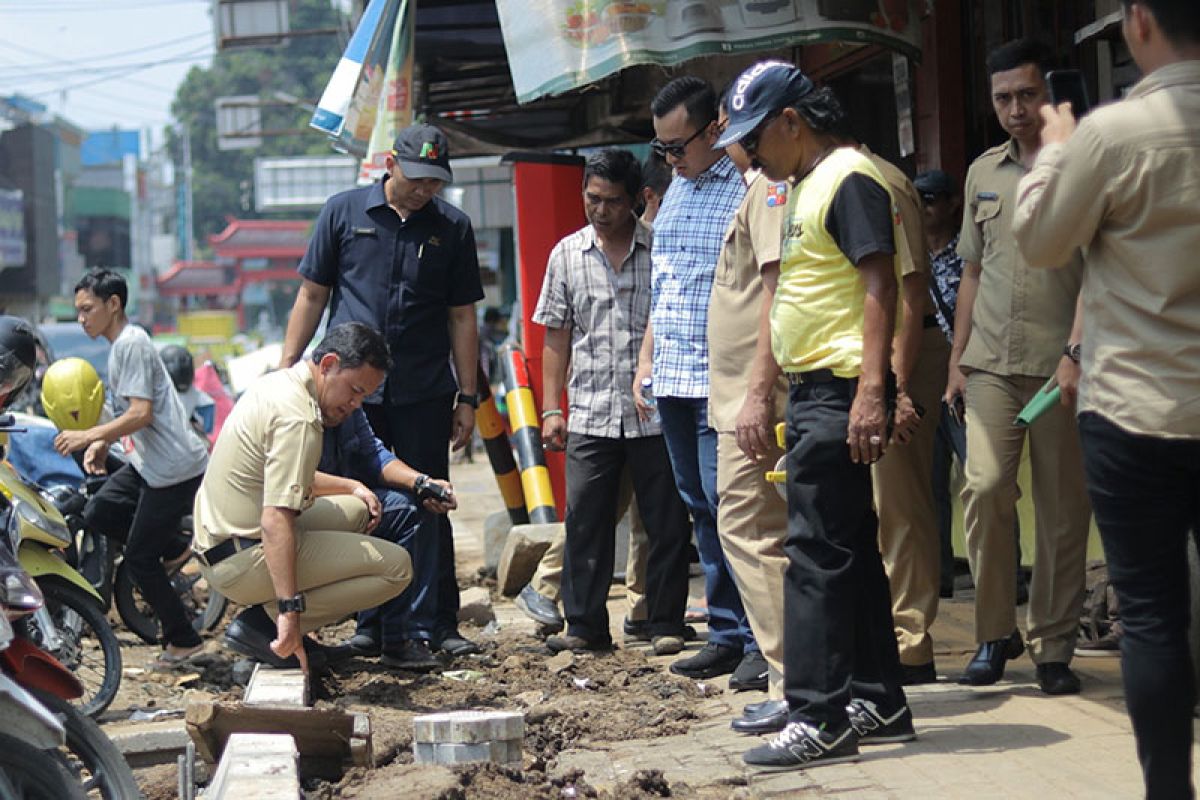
x: 569, y: 701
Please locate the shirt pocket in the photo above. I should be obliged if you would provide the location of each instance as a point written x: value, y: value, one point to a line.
x: 987, y: 219
x: 433, y: 279
x: 726, y: 272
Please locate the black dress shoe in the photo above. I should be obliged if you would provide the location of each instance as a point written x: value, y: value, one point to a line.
x: 754, y: 709
x: 1055, y: 677
x: 914, y: 674
x: 987, y: 666
x: 751, y: 674
x: 711, y: 661
x: 454, y: 643
x: 251, y: 633
x: 365, y: 643
x: 773, y: 717
x: 413, y: 655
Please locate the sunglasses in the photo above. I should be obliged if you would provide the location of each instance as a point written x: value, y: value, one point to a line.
x: 749, y: 142
x: 662, y: 149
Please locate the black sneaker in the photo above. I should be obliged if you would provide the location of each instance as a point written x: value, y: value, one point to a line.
x: 365, y: 643
x: 414, y: 656
x: 875, y: 727
x: 636, y: 630
x: 711, y: 661
x: 801, y: 745
x: 751, y: 673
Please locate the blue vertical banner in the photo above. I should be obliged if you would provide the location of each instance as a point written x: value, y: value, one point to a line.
x: 349, y: 105
x: 12, y: 228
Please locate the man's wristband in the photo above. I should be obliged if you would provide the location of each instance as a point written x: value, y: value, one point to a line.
x: 552, y: 412
x: 1073, y: 352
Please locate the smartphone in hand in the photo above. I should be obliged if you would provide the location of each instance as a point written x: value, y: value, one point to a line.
x: 1067, y: 86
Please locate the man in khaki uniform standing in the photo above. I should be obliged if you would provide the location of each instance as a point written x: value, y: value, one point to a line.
x: 746, y: 397
x: 1013, y: 329
x: 254, y: 544
x: 1124, y: 185
x: 903, y: 482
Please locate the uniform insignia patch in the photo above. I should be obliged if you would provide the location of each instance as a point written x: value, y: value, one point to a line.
x: 777, y: 194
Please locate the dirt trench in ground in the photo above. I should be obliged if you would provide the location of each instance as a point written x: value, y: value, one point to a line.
x: 569, y: 701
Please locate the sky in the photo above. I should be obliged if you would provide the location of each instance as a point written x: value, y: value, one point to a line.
x: 104, y: 63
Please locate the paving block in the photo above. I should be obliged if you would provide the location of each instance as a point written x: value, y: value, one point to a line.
x: 506, y: 751
x: 277, y: 687
x: 475, y: 605
x: 524, y: 548
x: 495, y: 532
x: 257, y: 765
x: 147, y: 743
x: 468, y: 727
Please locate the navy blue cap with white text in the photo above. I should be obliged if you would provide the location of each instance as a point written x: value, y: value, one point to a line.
x: 762, y: 89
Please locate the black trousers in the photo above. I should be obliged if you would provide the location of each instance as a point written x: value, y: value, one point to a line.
x: 840, y: 641
x: 146, y: 520
x: 1145, y: 494
x: 419, y: 435
x: 594, y: 466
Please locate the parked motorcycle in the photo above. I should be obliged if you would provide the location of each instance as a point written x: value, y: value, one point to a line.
x: 71, y: 624
x: 100, y: 560
x: 50, y: 748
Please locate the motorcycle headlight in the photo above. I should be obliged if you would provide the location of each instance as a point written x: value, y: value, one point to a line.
x: 32, y: 515
x: 19, y: 594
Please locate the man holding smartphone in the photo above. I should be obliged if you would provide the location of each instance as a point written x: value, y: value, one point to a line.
x: 1014, y: 327
x: 1124, y: 185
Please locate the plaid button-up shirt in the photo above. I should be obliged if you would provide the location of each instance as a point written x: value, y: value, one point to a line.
x: 688, y: 234
x: 607, y: 312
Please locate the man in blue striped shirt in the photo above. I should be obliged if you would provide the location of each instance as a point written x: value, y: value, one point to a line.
x: 688, y: 234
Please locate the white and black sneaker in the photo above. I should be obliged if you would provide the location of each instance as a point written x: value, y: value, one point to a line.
x: 802, y: 745
x: 875, y: 727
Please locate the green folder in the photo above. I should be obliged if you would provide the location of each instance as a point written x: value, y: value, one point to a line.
x: 1046, y: 398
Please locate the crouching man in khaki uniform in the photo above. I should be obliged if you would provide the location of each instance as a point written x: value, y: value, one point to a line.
x: 263, y: 540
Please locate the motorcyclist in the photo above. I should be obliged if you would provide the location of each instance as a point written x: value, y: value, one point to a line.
x: 17, y: 357
x: 198, y: 406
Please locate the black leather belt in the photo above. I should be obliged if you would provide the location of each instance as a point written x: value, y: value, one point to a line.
x: 930, y: 321
x: 218, y: 553
x: 812, y: 376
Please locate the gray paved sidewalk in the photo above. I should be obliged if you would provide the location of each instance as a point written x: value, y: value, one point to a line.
x: 1007, y: 741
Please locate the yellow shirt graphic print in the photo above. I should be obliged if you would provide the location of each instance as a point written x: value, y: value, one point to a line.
x: 817, y: 313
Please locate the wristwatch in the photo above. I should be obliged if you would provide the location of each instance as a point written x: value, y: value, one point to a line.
x: 470, y: 399
x: 290, y: 604
x: 1072, y: 352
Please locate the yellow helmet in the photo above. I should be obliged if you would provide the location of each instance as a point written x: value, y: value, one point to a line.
x: 72, y: 394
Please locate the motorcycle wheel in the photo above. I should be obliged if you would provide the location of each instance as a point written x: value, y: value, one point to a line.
x: 90, y: 755
x: 204, y: 605
x: 89, y: 647
x: 27, y: 773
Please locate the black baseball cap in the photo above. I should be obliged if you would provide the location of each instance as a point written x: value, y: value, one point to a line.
x: 423, y: 151
x: 934, y: 183
x: 762, y: 89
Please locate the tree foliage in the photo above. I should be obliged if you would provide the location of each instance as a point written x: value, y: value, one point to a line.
x: 223, y: 179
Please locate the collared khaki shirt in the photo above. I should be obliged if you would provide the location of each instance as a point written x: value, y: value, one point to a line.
x: 752, y: 239
x: 266, y: 455
x: 1126, y: 187
x: 1022, y: 316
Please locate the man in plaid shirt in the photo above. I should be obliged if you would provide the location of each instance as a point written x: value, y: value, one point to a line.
x: 688, y: 235
x: 595, y: 304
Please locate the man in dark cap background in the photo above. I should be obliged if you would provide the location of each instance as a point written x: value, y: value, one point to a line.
x: 396, y: 256
x: 831, y: 325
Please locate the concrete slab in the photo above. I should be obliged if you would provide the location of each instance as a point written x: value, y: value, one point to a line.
x: 257, y: 765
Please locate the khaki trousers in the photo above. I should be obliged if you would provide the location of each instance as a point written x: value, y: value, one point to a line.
x: 547, y: 581
x: 1061, y: 510
x: 752, y: 524
x: 908, y: 531
x: 339, y: 570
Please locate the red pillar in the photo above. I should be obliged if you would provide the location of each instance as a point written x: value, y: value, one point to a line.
x: 548, y: 190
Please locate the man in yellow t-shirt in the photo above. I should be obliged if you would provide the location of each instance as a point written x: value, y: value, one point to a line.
x: 831, y: 324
